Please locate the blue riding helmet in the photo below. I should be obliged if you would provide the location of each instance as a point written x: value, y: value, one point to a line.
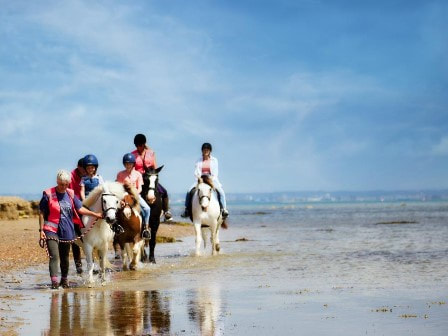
x: 90, y: 160
x: 128, y: 158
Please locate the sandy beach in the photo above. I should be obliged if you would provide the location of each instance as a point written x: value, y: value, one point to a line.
x: 20, y: 251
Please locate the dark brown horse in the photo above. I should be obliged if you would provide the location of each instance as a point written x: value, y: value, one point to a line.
x: 151, y: 194
x: 130, y: 241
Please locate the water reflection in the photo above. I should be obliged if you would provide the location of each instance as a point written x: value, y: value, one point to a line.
x: 109, y: 313
x: 205, y: 308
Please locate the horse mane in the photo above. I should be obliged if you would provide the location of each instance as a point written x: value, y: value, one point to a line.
x: 115, y: 188
x: 207, y: 180
x: 93, y: 196
x: 132, y: 192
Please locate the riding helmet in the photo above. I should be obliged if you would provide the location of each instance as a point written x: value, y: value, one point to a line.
x: 139, y: 139
x: 128, y: 158
x: 90, y: 160
x: 206, y: 145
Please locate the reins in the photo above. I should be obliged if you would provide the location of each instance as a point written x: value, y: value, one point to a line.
x: 43, y: 242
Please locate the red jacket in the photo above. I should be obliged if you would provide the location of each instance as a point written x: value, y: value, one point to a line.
x: 75, y: 183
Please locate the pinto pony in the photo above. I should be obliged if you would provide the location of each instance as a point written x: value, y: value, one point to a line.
x: 151, y: 194
x: 206, y: 213
x: 97, y: 234
x: 131, y: 221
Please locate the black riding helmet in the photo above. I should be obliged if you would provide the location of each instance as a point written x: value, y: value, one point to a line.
x: 206, y: 145
x: 139, y: 139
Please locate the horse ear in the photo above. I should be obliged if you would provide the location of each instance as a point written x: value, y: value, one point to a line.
x: 159, y: 169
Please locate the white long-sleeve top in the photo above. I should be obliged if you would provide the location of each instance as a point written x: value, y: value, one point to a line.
x: 213, y: 169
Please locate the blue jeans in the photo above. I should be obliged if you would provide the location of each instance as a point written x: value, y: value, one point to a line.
x: 222, y: 196
x: 146, y: 210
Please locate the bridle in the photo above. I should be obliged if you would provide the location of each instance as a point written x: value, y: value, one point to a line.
x: 208, y: 196
x: 105, y: 210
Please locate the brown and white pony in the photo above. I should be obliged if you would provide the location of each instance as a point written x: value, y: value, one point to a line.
x: 130, y: 240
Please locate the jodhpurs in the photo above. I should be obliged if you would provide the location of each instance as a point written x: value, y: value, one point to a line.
x: 165, y: 200
x: 222, y: 196
x: 59, y: 257
x: 146, y: 210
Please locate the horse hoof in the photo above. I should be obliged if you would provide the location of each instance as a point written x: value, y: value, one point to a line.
x: 152, y: 260
x: 132, y: 268
x: 217, y: 247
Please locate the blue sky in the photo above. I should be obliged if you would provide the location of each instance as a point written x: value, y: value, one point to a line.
x: 293, y: 95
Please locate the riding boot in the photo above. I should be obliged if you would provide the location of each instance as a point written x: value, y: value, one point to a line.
x: 188, y: 198
x: 117, y: 228
x: 166, y: 208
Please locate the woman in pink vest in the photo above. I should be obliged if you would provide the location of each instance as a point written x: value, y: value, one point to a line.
x: 59, y: 213
x: 145, y: 157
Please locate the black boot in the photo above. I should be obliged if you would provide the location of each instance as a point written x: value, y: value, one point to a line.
x: 117, y: 228
x: 185, y: 214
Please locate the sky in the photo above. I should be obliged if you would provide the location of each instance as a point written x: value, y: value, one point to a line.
x: 293, y: 95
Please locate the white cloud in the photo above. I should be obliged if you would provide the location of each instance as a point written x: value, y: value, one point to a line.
x: 441, y: 148
x: 12, y: 125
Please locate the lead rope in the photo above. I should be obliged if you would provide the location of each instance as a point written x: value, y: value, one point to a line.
x: 43, y: 242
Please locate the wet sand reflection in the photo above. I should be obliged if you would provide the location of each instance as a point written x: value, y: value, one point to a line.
x: 205, y: 308
x: 109, y: 313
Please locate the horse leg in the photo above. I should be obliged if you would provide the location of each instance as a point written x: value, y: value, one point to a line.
x: 116, y: 248
x: 102, y: 252
x: 152, y: 242
x: 198, y: 232
x: 136, y: 254
x: 217, y: 245
x: 88, y: 251
x: 214, y: 238
x: 124, y: 256
x: 145, y: 251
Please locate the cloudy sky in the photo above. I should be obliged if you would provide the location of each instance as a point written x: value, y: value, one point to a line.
x: 293, y: 95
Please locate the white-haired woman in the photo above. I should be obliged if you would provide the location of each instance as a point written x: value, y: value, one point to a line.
x: 59, y: 212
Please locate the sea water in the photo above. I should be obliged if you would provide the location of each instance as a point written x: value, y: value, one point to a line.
x: 284, y: 269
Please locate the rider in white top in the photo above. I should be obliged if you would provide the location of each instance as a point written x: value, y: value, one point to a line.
x: 207, y: 165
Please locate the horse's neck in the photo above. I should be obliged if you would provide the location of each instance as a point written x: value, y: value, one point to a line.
x: 96, y: 207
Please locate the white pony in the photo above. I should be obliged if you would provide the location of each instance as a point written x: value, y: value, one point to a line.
x: 97, y: 234
x: 206, y: 212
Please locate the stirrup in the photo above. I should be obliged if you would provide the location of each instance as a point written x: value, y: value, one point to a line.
x: 168, y: 216
x: 146, y: 234
x: 118, y: 229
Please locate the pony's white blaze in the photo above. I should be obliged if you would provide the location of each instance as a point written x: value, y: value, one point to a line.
x: 206, y: 211
x: 98, y: 234
x: 152, y: 186
x: 110, y: 205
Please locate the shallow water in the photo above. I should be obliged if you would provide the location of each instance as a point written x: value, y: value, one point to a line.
x: 304, y: 269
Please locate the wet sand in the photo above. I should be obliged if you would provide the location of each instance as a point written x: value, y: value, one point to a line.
x: 21, y: 256
x: 312, y: 278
